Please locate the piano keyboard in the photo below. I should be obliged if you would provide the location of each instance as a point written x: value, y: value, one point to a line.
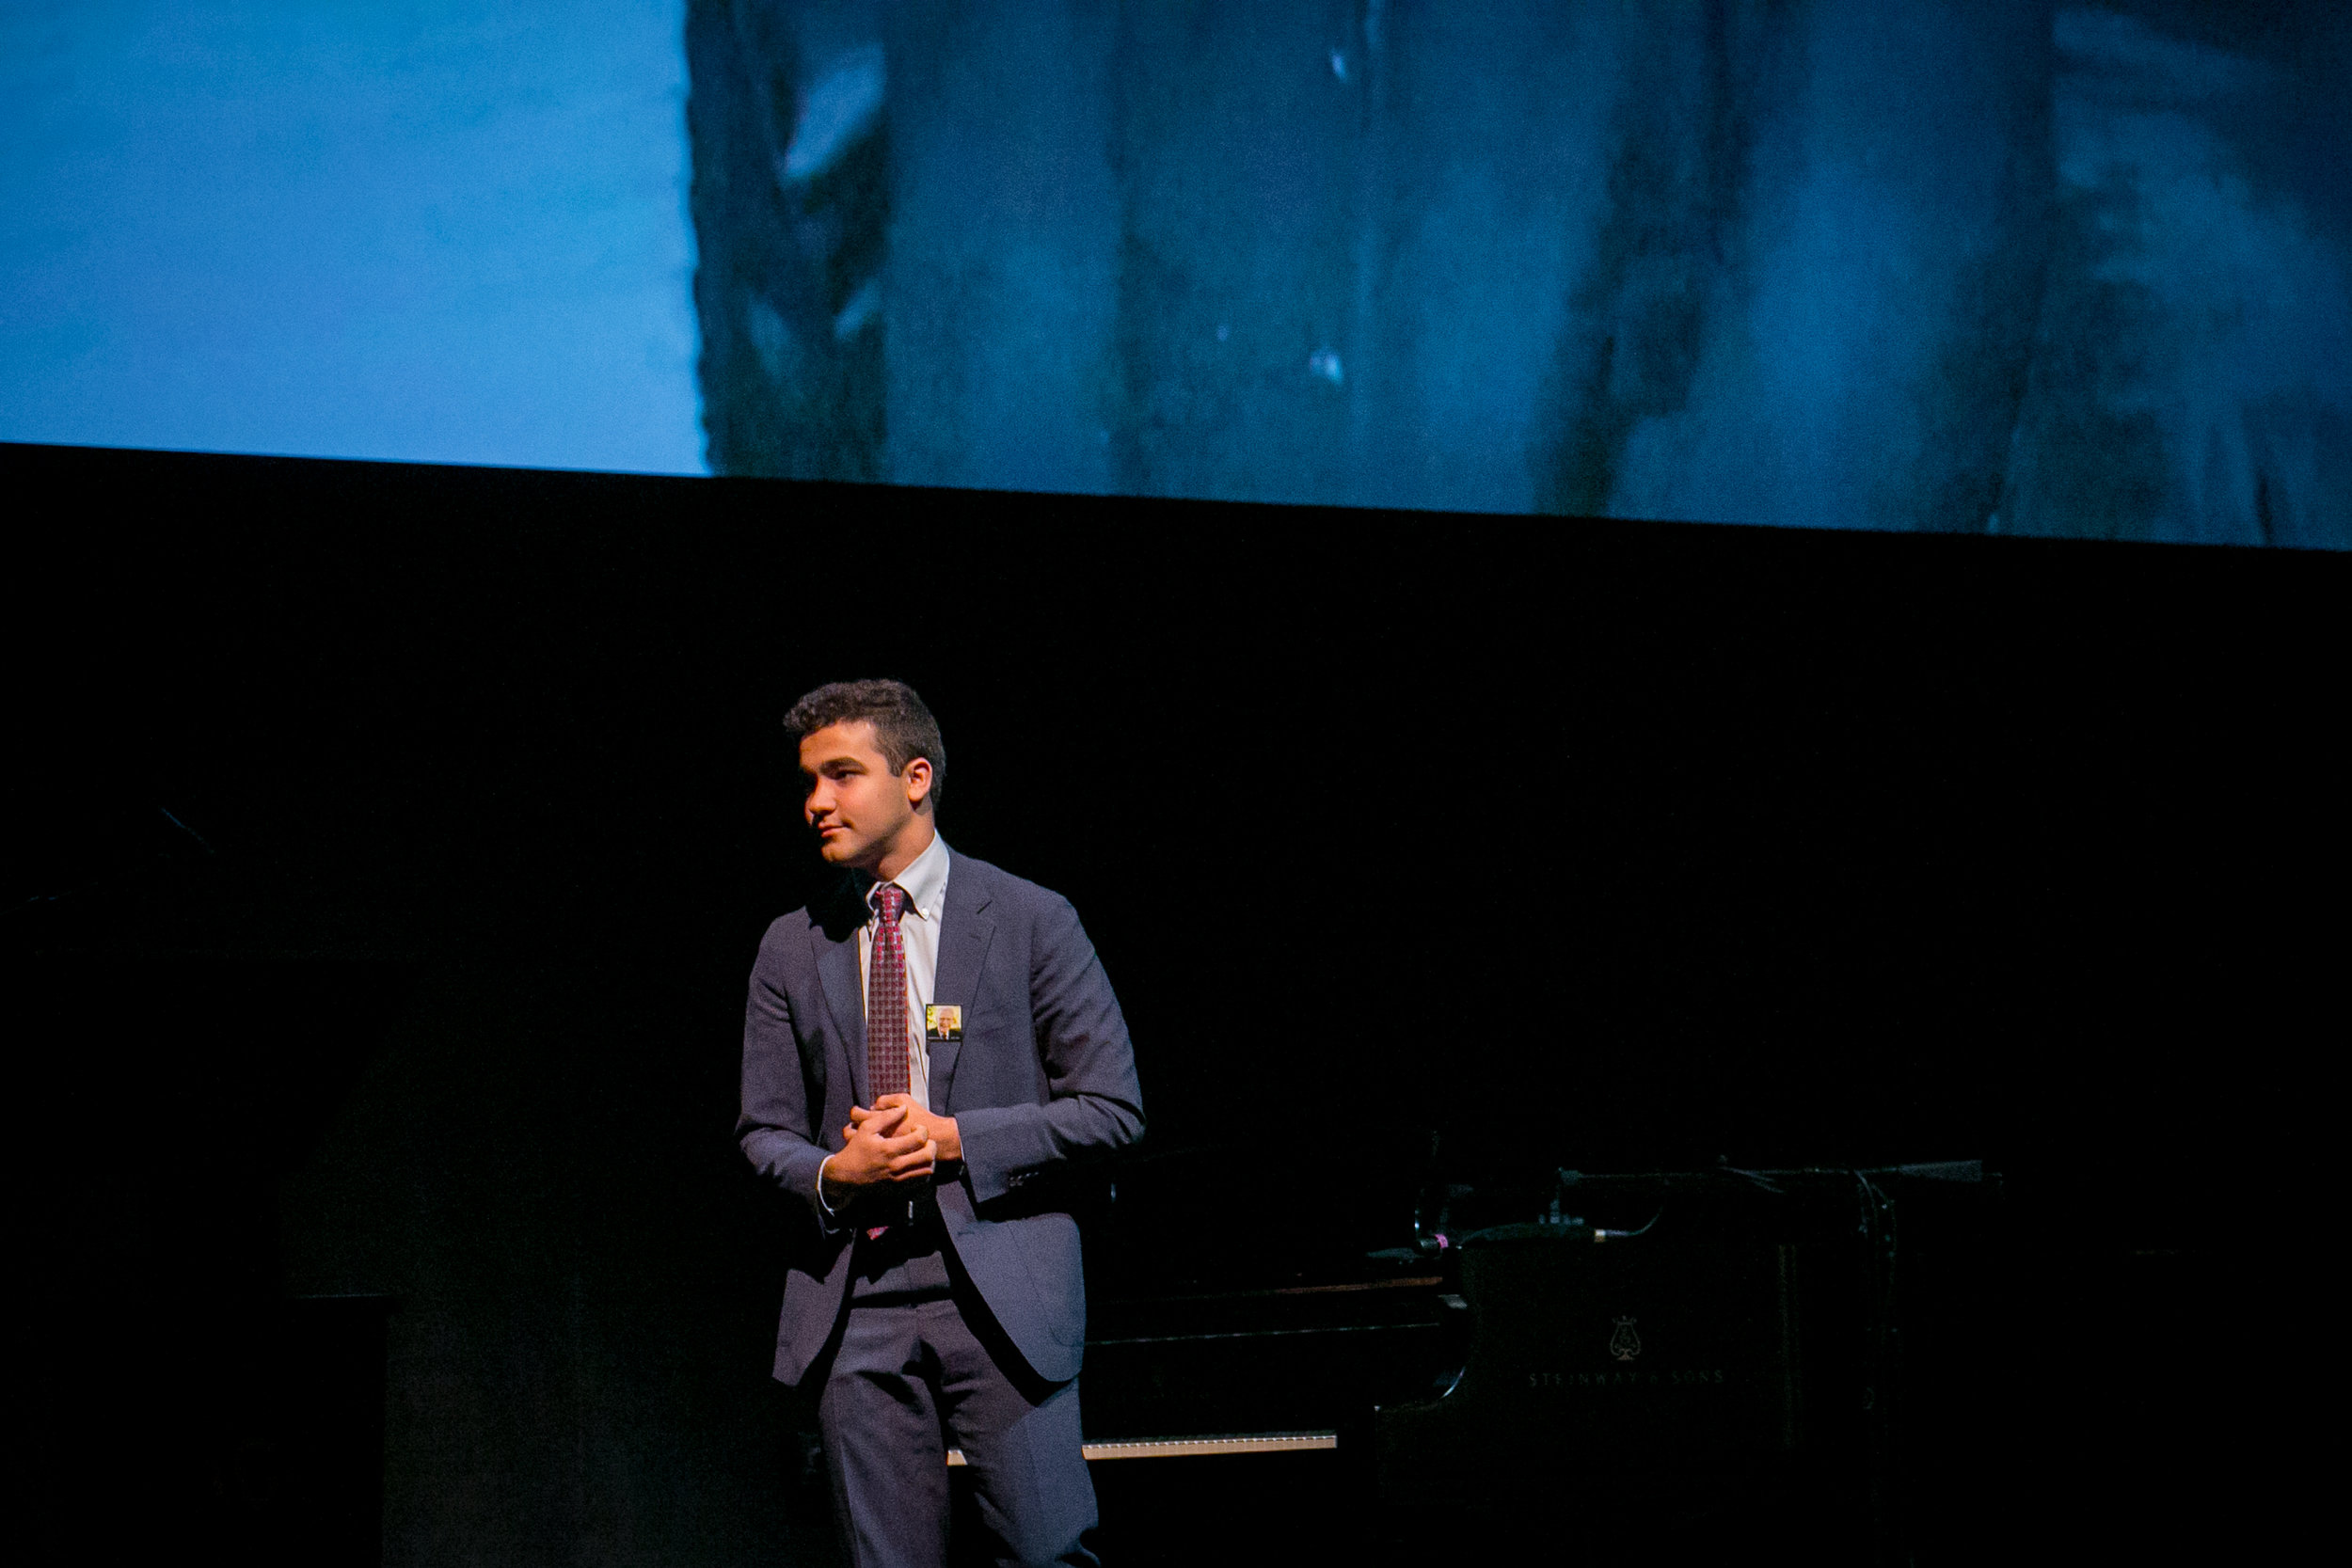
x: 1185, y: 1448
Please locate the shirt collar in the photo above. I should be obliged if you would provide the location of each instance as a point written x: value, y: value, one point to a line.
x: 925, y: 880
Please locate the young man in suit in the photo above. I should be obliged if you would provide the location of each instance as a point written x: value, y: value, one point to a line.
x: 926, y: 1050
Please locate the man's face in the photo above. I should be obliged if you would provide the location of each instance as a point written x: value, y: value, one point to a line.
x: 857, y: 807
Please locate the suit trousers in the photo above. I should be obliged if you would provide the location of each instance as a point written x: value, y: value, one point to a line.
x: 909, y: 1379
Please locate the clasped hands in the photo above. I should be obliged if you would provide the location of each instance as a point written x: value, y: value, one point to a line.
x: 896, y: 1141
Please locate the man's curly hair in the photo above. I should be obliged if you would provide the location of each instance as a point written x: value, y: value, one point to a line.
x: 903, y: 727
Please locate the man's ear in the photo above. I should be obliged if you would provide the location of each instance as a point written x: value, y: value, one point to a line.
x: 917, y: 778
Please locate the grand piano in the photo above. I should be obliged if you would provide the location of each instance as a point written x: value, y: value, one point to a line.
x: 1644, y: 1368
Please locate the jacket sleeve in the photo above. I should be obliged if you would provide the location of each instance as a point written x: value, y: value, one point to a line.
x: 1094, y: 1103
x: 777, y: 1124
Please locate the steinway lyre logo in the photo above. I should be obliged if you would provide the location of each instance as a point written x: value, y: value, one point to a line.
x: 1625, y: 1344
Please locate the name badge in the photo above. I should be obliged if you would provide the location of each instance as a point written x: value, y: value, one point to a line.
x: 944, y: 1024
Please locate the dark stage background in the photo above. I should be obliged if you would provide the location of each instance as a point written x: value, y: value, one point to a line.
x: 1823, y: 846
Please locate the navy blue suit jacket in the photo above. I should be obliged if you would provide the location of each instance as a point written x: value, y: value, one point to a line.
x: 1043, y: 1075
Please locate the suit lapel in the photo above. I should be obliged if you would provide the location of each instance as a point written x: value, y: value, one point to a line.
x: 836, y: 968
x: 964, y: 930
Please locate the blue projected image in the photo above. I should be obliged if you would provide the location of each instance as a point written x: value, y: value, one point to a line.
x: 2022, y: 267
x: 429, y: 230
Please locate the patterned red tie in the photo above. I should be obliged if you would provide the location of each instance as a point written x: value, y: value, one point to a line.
x: 886, y: 997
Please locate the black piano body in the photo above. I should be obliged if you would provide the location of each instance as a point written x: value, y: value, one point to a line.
x: 1674, y: 1367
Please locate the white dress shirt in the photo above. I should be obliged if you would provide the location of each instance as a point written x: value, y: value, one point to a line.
x: 925, y: 883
